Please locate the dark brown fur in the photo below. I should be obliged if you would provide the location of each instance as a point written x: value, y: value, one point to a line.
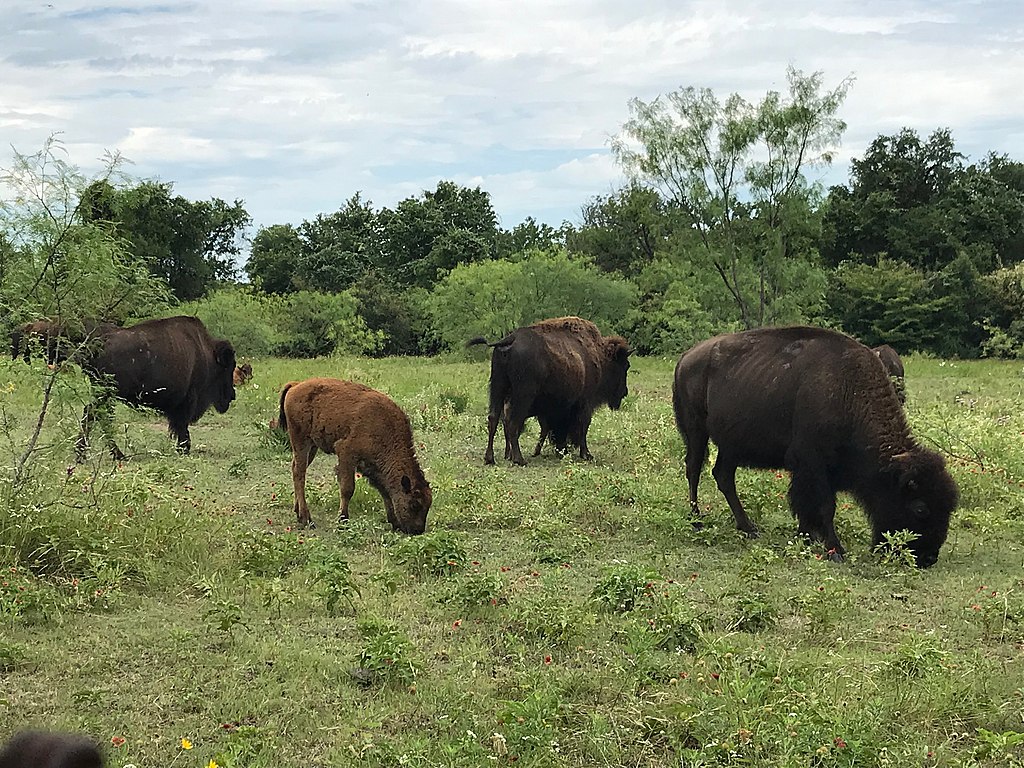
x: 36, y: 749
x: 172, y: 365
x: 368, y: 433
x: 817, y: 403
x: 894, y: 367
x: 57, y: 340
x: 559, y: 370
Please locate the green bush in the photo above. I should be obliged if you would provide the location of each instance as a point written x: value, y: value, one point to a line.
x: 301, y: 324
x: 491, y: 298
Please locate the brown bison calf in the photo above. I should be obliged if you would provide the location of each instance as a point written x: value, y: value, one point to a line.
x: 368, y: 433
x: 35, y: 749
x: 242, y: 374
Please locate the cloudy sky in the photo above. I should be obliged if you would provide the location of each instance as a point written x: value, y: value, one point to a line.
x: 294, y: 105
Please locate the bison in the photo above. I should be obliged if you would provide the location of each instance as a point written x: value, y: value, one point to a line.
x: 559, y: 370
x: 172, y: 365
x: 894, y: 367
x: 37, y: 749
x: 242, y: 374
x: 369, y: 433
x: 56, y: 339
x: 817, y: 403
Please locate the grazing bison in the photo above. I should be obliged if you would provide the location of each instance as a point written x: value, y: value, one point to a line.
x: 35, y: 749
x: 817, y: 403
x: 242, y: 374
x: 559, y: 370
x: 368, y: 433
x: 894, y: 367
x: 56, y: 339
x: 172, y: 365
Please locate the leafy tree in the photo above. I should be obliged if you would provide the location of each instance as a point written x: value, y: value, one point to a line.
x: 529, y: 235
x: 493, y: 297
x: 918, y: 202
x: 55, y: 259
x: 190, y: 245
x: 622, y: 231
x: 398, y: 313
x: 337, y: 248
x: 423, y: 238
x: 734, y: 173
x: 274, y: 258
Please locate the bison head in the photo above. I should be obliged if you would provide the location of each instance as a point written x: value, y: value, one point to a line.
x: 920, y: 499
x: 412, y: 505
x: 616, y: 364
x: 223, y: 378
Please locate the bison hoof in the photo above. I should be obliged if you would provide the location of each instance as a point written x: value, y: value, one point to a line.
x: 834, y: 556
x: 698, y: 525
x: 488, y: 460
x: 753, y: 533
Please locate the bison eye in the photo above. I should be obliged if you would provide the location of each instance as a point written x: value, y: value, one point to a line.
x: 919, y: 508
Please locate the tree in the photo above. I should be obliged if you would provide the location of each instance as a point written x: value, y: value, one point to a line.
x: 734, y: 173
x: 338, y: 248
x: 423, y: 239
x: 274, y: 258
x: 622, y: 231
x: 920, y: 203
x: 529, y: 235
x: 190, y: 245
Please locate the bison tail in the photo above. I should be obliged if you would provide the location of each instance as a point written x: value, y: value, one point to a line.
x: 477, y: 340
x: 282, y: 420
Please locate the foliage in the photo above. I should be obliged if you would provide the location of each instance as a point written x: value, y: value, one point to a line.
x: 1005, y: 326
x: 190, y: 245
x: 54, y: 260
x: 432, y: 554
x: 492, y: 298
x: 622, y: 587
x: 386, y: 656
x: 399, y: 313
x: 250, y: 321
x: 274, y: 258
x: 623, y: 231
x: 734, y: 173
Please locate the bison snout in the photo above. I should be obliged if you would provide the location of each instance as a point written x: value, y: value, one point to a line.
x: 412, y: 530
x: 926, y: 561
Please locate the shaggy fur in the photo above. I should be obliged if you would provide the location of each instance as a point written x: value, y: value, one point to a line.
x: 35, y: 749
x: 894, y: 367
x: 368, y: 433
x: 817, y: 403
x: 559, y: 370
x: 172, y: 365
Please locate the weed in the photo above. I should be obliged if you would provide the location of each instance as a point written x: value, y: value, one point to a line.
x: 753, y: 612
x: 894, y: 549
x: 547, y: 617
x: 1003, y: 748
x: 386, y: 656
x: 530, y: 725
x: 916, y: 656
x: 333, y: 580
x: 223, y: 617
x: 622, y: 587
x: 1000, y: 613
x: 265, y: 553
x: 439, y: 553
x: 12, y: 656
x: 477, y: 589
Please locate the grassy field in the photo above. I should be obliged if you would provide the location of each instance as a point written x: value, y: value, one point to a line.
x: 561, y: 614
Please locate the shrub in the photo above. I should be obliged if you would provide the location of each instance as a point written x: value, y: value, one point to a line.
x: 490, y: 298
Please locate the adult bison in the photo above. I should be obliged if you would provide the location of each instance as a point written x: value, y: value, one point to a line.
x: 367, y: 432
x: 58, y: 340
x: 817, y: 403
x: 559, y: 370
x: 894, y: 367
x: 172, y: 365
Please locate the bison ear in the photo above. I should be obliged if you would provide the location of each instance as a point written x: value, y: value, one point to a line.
x: 224, y: 354
x: 622, y: 353
x: 406, y: 484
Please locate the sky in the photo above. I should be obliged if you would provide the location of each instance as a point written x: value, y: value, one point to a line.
x: 294, y: 105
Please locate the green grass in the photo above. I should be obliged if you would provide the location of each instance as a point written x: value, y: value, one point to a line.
x: 562, y: 614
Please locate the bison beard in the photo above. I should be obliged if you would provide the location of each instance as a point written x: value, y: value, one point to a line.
x: 559, y: 370
x: 816, y: 403
x: 172, y: 365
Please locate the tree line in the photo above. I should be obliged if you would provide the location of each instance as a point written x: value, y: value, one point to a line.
x: 717, y: 229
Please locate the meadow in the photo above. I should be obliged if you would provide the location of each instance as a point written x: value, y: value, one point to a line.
x: 561, y: 614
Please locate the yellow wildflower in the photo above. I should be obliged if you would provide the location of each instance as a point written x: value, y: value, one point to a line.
x: 186, y: 744
x: 213, y: 764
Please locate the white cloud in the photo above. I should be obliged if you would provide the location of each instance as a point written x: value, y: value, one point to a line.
x: 294, y: 107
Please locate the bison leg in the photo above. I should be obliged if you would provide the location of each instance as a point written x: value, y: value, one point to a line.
x: 814, y: 503
x: 178, y: 427
x: 517, y: 416
x: 492, y: 427
x: 696, y: 455
x: 302, y: 456
x: 545, y: 430
x: 581, y: 429
x: 724, y: 473
x: 101, y: 410
x: 346, y: 472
